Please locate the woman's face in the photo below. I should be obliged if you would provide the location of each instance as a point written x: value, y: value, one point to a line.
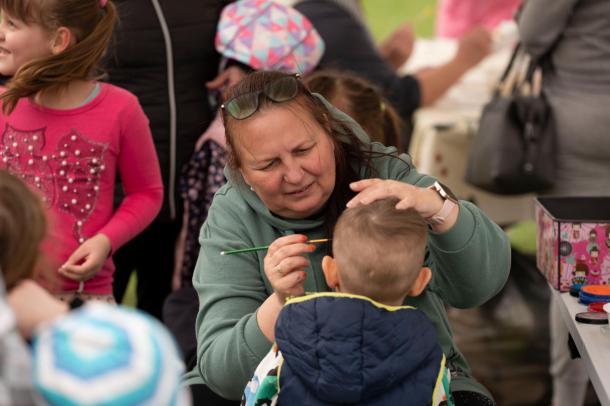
x: 288, y: 159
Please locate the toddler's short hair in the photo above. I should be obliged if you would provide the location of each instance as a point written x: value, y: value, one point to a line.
x: 379, y: 250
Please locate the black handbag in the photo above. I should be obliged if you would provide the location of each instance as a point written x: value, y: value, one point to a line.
x: 514, y: 149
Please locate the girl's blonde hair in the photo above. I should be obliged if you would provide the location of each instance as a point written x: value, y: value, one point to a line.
x: 363, y: 101
x: 23, y: 226
x: 92, y: 26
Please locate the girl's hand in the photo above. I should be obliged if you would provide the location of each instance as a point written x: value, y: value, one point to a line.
x: 285, y: 264
x: 425, y: 201
x: 84, y: 263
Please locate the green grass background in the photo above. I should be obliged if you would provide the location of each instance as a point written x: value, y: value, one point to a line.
x: 130, y: 294
x: 383, y: 16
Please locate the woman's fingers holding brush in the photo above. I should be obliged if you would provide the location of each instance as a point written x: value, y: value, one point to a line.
x: 285, y: 264
x: 288, y: 276
x: 291, y: 284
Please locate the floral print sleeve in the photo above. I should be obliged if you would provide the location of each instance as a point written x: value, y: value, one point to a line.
x: 202, y: 176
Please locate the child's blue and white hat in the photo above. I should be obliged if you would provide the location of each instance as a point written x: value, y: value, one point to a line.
x: 108, y: 355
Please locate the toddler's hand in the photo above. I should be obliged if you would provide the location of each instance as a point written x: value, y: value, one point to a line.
x: 84, y: 263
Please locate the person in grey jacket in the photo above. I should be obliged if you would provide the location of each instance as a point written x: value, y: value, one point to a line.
x: 574, y: 38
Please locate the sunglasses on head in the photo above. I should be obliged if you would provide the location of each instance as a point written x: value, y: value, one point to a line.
x: 280, y: 90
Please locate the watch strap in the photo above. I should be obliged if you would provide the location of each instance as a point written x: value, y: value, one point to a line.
x: 448, y: 205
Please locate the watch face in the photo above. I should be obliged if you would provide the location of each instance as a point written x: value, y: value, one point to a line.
x: 448, y: 192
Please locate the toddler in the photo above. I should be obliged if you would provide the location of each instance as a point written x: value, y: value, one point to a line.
x: 359, y: 345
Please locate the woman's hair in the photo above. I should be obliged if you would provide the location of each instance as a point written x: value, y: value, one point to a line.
x: 347, y: 147
x: 379, y: 249
x: 361, y: 100
x: 91, y: 25
x: 22, y: 228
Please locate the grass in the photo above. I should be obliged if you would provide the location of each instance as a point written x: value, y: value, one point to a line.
x: 130, y: 297
x: 522, y: 236
x: 384, y: 16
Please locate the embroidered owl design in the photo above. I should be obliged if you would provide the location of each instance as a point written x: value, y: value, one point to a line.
x: 68, y: 178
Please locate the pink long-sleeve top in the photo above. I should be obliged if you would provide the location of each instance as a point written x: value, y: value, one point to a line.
x: 456, y: 17
x: 72, y: 157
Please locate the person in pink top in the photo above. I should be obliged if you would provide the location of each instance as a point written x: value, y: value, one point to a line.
x: 68, y: 136
x: 456, y: 17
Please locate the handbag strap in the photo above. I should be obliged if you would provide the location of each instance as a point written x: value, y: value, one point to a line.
x: 503, y: 87
x: 511, y: 62
x: 516, y: 80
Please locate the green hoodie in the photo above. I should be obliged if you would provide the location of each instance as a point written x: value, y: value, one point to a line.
x: 470, y: 264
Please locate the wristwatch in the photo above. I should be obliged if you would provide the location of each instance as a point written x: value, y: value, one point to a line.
x: 449, y: 202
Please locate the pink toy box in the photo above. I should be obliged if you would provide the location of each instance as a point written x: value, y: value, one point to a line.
x: 573, y: 240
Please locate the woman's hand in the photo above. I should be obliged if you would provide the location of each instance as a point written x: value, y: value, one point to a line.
x: 285, y: 264
x: 397, y: 48
x: 87, y: 259
x: 474, y: 46
x: 426, y: 202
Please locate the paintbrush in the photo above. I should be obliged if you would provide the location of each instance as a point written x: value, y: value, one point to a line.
x: 264, y: 247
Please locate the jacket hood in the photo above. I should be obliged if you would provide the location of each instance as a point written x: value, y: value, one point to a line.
x: 235, y: 179
x: 347, y: 349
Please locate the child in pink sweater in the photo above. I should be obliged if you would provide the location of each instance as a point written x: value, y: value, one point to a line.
x: 68, y: 136
x: 456, y: 17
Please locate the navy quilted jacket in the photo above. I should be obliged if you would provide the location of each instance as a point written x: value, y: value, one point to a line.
x: 344, y: 349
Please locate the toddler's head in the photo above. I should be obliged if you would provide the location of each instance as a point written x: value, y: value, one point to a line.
x: 379, y: 253
x: 22, y: 229
x: 47, y: 44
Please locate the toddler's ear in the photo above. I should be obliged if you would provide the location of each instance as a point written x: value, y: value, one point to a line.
x: 329, y: 267
x: 420, y: 283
